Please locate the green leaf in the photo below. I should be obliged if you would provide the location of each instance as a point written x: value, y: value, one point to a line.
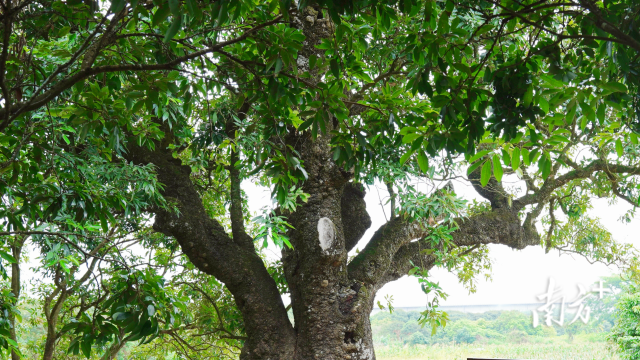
x: 485, y: 173
x: 176, y: 24
x: 506, y: 158
x: 423, y: 161
x: 544, y: 105
x: 583, y: 122
x: 74, y: 347
x: 117, y: 6
x: 615, y: 86
x: 551, y: 82
x: 409, y: 138
x: 86, y: 347
x: 545, y: 165
x: 478, y: 155
x: 525, y: 157
x: 10, y: 259
x: 335, y: 67
x: 278, y: 65
x: 312, y: 61
x: 634, y: 138
x: 405, y: 157
x: 588, y: 111
x: 151, y: 310
x: 515, y: 159
x: 619, y: 148
x: 161, y: 14
x: 484, y: 29
x: 174, y: 6
x: 497, y: 168
x: 194, y: 9
x: 600, y: 113
x: 528, y: 96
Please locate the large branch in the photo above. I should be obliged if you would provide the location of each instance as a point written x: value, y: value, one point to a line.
x: 373, y: 261
x: 579, y: 173
x: 389, y: 251
x: 499, y: 226
x: 405, y: 259
x: 212, y: 251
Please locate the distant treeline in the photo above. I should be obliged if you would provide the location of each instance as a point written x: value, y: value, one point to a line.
x: 401, y: 327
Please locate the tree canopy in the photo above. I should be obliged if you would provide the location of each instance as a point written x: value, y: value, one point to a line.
x: 116, y: 116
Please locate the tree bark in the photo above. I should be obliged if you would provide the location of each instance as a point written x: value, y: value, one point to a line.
x: 16, y: 249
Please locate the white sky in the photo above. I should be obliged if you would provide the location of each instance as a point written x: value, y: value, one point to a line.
x: 519, y: 276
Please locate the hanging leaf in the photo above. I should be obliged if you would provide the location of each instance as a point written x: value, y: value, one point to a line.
x: 615, y: 87
x: 497, y: 168
x: 423, y: 161
x: 485, y: 173
x: 335, y: 67
x: 619, y: 148
x: 10, y: 259
x: 117, y: 6
x: 544, y: 105
x: 545, y: 165
x: 176, y: 24
x: 405, y: 157
x: 515, y: 159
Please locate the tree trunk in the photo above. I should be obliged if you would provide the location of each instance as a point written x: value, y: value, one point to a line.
x: 16, y: 249
x: 331, y: 310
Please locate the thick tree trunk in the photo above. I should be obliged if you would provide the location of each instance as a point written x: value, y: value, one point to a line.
x: 331, y: 310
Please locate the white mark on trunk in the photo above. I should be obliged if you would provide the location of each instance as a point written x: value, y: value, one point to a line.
x: 364, y: 352
x: 326, y: 233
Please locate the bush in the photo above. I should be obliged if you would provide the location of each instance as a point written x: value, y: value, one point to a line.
x: 417, y: 338
x: 464, y: 336
x: 626, y: 331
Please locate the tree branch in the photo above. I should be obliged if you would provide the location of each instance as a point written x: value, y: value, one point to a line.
x: 580, y: 173
x: 211, y: 250
x: 240, y: 235
x: 373, y: 261
x: 64, y: 84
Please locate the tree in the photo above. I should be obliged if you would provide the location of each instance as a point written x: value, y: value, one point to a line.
x: 625, y: 333
x: 164, y: 108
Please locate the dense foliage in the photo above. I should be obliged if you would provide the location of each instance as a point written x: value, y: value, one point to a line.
x: 118, y: 114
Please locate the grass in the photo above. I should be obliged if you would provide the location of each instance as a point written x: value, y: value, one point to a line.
x: 556, y: 350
